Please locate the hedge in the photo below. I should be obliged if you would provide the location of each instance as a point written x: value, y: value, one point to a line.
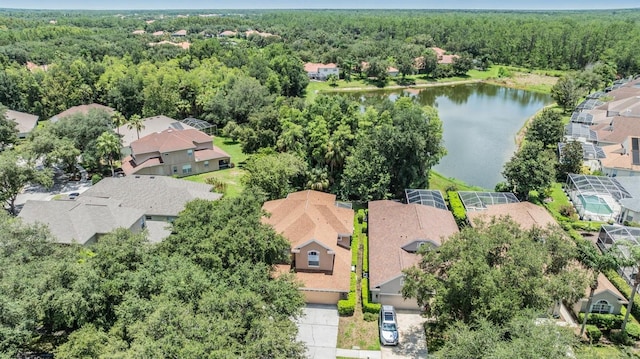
x: 605, y: 322
x: 365, y: 253
x: 346, y: 307
x: 368, y: 307
x: 457, y: 208
x: 633, y: 330
x: 625, y: 289
x: 355, y: 241
x: 593, y: 333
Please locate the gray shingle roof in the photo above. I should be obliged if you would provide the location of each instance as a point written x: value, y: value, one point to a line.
x: 80, y: 219
x: 155, y: 195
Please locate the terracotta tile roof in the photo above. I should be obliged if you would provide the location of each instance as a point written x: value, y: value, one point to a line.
x: 130, y: 167
x: 184, y: 45
x: 83, y: 109
x: 158, y: 33
x: 228, y: 33
x: 26, y: 122
x: 315, y: 67
x: 180, y: 33
x: 35, y: 67
x: 442, y: 58
x: 526, y: 214
x: 151, y: 125
x: 617, y: 129
x: 618, y: 157
x: 214, y: 154
x: 169, y: 140
x: 629, y: 90
x: 307, y: 215
x: 393, y: 225
x: 629, y: 106
x: 605, y: 285
x: 138, y: 32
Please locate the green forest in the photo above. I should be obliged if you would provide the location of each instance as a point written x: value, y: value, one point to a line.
x: 126, y: 298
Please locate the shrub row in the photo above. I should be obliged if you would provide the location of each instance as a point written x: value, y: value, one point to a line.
x: 604, y: 322
x: 593, y: 333
x: 355, y: 241
x: 346, y: 307
x: 633, y: 330
x: 457, y: 208
x: 368, y: 307
x: 625, y: 289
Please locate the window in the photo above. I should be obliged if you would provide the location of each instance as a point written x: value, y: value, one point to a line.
x: 189, y: 152
x: 206, y: 164
x: 602, y: 306
x: 186, y: 169
x: 314, y: 258
x: 175, y: 169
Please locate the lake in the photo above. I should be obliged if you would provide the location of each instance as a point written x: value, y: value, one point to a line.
x: 480, y: 122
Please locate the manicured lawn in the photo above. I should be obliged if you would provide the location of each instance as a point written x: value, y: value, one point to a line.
x: 438, y: 181
x: 605, y: 352
x: 230, y: 176
x: 355, y: 331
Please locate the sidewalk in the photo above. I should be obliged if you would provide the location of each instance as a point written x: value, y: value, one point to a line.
x: 355, y: 353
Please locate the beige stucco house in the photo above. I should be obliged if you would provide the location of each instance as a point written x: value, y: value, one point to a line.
x: 320, y: 231
x: 526, y: 214
x: 174, y: 152
x: 396, y: 231
x: 25, y: 122
x: 606, y: 299
x: 316, y: 71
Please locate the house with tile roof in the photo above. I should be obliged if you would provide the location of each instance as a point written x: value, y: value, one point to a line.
x: 150, y: 125
x: 396, y: 232
x: 526, y: 214
x: 616, y: 130
x: 180, y: 33
x: 83, y: 220
x: 82, y: 109
x: 25, y: 122
x: 320, y: 232
x: 442, y: 56
x: 607, y: 299
x: 623, y: 159
x: 174, y: 152
x: 317, y: 71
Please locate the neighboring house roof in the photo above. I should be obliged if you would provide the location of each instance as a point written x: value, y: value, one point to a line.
x: 207, y: 155
x: 155, y: 195
x: 617, y: 129
x: 312, y: 215
x: 526, y: 214
x: 80, y: 219
x: 315, y: 67
x: 158, y: 33
x: 228, y: 33
x: 169, y: 140
x: 25, y: 122
x: 184, y: 45
x: 629, y: 106
x: 442, y: 57
x: 254, y: 32
x: 632, y: 185
x: 83, y: 109
x: 138, y: 32
x: 604, y: 285
x: 631, y: 89
x: 619, y: 157
x: 35, y: 67
x: 395, y: 231
x: 180, y: 33
x: 392, y: 69
x: 151, y: 125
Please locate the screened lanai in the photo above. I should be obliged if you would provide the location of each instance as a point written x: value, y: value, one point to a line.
x: 200, y: 125
x: 589, y: 151
x: 624, y: 237
x: 589, y: 104
x: 579, y: 131
x: 596, y: 198
x: 425, y: 197
x: 582, y: 117
x: 474, y: 201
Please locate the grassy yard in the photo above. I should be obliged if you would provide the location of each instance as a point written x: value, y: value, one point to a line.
x: 438, y: 181
x: 355, y: 331
x: 230, y: 176
x: 601, y: 351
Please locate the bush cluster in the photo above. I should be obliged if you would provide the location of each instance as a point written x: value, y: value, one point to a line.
x: 625, y: 289
x: 593, y: 333
x: 605, y: 322
x: 367, y: 307
x: 633, y: 330
x: 457, y: 208
x: 346, y: 307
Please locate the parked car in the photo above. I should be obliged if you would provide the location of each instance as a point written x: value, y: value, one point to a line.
x: 73, y: 195
x: 388, y: 325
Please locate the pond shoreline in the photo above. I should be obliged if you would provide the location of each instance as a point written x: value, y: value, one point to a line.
x: 399, y: 87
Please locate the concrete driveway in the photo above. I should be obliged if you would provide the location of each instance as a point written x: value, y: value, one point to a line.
x: 413, y: 343
x: 318, y: 329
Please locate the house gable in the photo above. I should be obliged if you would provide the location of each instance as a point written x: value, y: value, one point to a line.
x: 413, y: 246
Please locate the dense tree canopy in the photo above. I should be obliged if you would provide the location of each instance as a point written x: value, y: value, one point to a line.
x: 532, y: 168
x: 126, y: 298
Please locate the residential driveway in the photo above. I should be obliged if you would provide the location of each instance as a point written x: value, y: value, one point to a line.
x: 318, y: 329
x: 412, y: 344
x: 39, y: 193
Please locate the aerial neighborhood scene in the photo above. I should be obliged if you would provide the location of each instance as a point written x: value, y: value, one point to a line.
x: 455, y: 180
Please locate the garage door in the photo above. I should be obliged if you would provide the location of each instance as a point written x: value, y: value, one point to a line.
x: 315, y: 297
x: 398, y: 302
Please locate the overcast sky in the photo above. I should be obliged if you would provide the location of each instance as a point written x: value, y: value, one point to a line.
x: 323, y: 4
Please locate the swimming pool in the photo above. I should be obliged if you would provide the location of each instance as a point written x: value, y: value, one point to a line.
x: 595, y: 205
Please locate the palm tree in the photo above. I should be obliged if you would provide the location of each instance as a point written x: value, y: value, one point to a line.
x: 136, y: 122
x: 118, y: 120
x: 108, y: 146
x: 597, y: 263
x: 632, y: 261
x: 318, y: 179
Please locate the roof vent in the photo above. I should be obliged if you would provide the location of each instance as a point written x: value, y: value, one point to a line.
x: 137, y: 176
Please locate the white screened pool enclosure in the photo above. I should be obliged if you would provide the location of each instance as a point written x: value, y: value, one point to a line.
x: 623, y: 237
x: 596, y: 198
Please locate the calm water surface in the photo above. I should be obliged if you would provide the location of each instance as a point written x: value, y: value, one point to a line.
x: 480, y: 122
